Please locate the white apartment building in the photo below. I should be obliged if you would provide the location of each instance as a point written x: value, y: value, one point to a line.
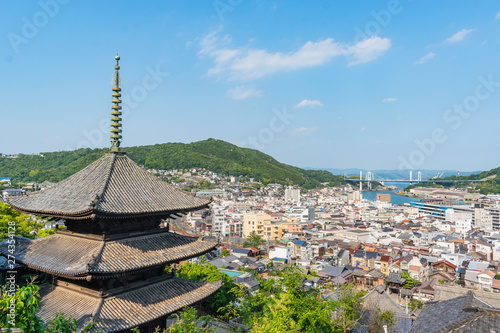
x: 462, y: 220
x: 281, y: 253
x: 483, y: 218
x: 292, y: 194
x: 218, y: 221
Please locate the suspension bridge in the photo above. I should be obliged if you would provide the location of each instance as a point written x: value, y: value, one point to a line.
x: 370, y: 177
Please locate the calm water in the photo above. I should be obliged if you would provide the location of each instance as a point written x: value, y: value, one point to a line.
x: 395, y: 199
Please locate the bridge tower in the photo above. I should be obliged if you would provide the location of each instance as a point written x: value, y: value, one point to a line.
x: 419, y: 177
x: 361, y: 180
x: 411, y: 180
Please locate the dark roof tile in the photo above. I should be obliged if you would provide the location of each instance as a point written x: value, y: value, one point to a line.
x: 113, y: 186
x: 72, y: 256
x: 124, y: 310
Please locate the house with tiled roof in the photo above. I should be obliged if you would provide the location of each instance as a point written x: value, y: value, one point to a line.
x: 239, y: 252
x: 385, y: 261
x: 425, y: 291
x: 366, y: 279
x: 395, y: 282
x: 300, y: 249
x: 364, y: 258
x: 495, y: 285
x: 465, y: 314
x: 444, y: 265
x: 485, y: 279
x: 443, y: 277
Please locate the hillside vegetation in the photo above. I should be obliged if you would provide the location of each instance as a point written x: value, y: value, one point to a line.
x: 490, y: 186
x: 214, y: 155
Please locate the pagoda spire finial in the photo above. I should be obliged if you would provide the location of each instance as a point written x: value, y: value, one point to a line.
x: 116, y: 109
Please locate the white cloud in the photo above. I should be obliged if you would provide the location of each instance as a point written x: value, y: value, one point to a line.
x: 309, y: 103
x: 425, y: 58
x: 368, y: 50
x: 246, y: 63
x: 459, y: 36
x: 243, y: 92
x: 363, y: 129
x: 498, y: 16
x: 389, y: 100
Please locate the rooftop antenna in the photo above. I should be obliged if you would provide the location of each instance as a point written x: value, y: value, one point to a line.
x: 116, y: 113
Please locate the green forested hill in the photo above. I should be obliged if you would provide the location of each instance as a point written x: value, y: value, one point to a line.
x: 491, y: 186
x: 215, y: 155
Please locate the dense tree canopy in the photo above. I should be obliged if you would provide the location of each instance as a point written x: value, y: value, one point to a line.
x: 14, y: 223
x: 282, y: 304
x: 206, y: 272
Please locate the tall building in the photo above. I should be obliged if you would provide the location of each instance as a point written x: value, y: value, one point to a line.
x: 218, y: 221
x: 292, y: 194
x: 110, y: 261
x: 255, y: 222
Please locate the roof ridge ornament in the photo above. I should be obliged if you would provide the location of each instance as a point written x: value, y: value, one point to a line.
x: 116, y: 109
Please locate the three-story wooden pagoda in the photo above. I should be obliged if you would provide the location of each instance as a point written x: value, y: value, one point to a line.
x: 110, y: 261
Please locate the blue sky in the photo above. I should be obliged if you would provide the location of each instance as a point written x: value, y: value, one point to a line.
x: 373, y: 84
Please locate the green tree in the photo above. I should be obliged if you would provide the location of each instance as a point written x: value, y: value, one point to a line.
x: 188, y: 322
x: 281, y: 304
x: 348, y: 309
x: 410, y: 282
x: 45, y: 232
x: 61, y: 324
x: 415, y: 304
x: 14, y: 223
x: 379, y: 319
x: 253, y: 240
x: 229, y: 291
x: 20, y: 308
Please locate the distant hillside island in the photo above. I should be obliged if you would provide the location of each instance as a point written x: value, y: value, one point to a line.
x: 215, y: 155
x: 490, y: 182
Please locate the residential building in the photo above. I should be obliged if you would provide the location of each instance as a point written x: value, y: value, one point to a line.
x: 255, y: 222
x: 292, y: 194
x: 12, y: 192
x: 281, y: 253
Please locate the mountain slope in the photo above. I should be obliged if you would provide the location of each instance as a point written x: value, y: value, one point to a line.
x: 215, y: 155
x: 491, y: 186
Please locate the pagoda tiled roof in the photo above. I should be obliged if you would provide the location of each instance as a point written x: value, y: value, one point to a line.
x: 126, y: 309
x: 72, y: 256
x: 112, y: 187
